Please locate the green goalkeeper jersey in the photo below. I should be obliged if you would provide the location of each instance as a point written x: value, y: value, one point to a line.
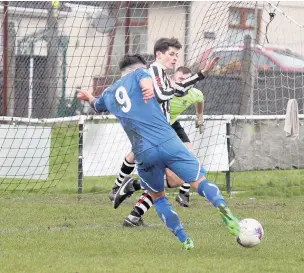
x: 180, y: 104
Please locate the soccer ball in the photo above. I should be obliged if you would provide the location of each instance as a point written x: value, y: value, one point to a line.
x: 251, y: 233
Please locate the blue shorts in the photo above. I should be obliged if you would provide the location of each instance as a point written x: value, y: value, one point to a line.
x: 172, y: 154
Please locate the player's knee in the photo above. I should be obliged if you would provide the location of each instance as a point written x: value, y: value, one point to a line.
x: 130, y: 157
x: 157, y: 195
x: 196, y: 183
x: 173, y: 181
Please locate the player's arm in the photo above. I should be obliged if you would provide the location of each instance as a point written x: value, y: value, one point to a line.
x: 147, y: 88
x: 146, y: 84
x: 181, y: 88
x: 97, y: 104
x: 165, y: 92
x: 199, y: 106
x: 199, y: 122
x: 162, y: 92
x: 196, y: 96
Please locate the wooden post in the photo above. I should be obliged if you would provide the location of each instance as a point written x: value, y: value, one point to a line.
x: 11, y: 41
x: 52, y: 96
x: 5, y: 58
x: 246, y: 76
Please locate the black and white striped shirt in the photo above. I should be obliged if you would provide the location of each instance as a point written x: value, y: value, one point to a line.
x: 165, y: 89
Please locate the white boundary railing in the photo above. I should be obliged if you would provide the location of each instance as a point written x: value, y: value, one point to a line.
x: 83, y: 119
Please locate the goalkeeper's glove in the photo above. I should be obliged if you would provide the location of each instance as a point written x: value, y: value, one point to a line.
x: 199, y: 122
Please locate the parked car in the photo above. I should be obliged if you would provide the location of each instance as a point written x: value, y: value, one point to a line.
x: 263, y: 58
x: 284, y: 50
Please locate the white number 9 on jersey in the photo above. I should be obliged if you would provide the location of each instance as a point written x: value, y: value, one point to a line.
x: 123, y: 99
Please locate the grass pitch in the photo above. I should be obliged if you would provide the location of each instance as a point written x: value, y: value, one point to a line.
x: 61, y: 231
x: 72, y: 233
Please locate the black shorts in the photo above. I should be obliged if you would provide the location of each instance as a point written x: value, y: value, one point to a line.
x: 180, y: 132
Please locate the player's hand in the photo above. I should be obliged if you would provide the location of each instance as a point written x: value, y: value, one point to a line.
x: 148, y: 93
x: 199, y: 122
x: 84, y: 95
x: 210, y: 64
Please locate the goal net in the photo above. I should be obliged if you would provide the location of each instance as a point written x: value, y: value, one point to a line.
x: 51, y: 141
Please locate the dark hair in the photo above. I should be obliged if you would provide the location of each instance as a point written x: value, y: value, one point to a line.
x: 184, y: 70
x: 163, y: 45
x: 131, y: 59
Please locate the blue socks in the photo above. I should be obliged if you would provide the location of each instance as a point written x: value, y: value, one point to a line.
x: 211, y: 192
x: 170, y: 218
x: 206, y: 188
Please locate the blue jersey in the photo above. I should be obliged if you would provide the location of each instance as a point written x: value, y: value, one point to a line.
x: 144, y: 123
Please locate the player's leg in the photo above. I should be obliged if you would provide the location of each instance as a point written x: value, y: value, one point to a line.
x: 212, y: 193
x: 183, y: 196
x: 134, y: 219
x: 127, y: 168
x: 130, y: 185
x: 183, y: 163
x: 145, y: 202
x: 171, y: 218
x: 151, y: 173
x: 151, y: 170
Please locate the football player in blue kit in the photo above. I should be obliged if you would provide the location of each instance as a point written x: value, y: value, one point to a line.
x: 155, y: 145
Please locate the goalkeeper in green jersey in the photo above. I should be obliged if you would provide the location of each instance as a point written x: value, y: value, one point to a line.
x: 178, y: 105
